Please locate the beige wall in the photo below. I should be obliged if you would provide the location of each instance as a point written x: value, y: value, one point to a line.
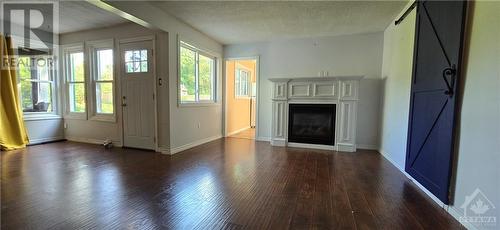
x: 238, y: 109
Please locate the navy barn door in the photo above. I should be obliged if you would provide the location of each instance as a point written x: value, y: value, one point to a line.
x: 436, y: 66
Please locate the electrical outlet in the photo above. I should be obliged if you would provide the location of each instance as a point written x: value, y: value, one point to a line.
x: 65, y: 125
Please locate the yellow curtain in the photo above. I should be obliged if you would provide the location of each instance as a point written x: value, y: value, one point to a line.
x: 12, y: 131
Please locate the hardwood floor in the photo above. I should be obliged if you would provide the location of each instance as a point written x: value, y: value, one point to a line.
x: 228, y: 183
x: 247, y: 134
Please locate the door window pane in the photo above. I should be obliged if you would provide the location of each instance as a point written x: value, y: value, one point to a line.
x: 188, y: 74
x: 136, y: 61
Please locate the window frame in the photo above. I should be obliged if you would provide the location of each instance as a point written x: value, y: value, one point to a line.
x: 240, y: 68
x: 67, y: 50
x: 52, y: 82
x: 198, y: 52
x: 92, y: 48
x: 56, y: 107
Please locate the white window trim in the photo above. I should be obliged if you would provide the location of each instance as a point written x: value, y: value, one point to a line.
x: 30, y: 116
x: 66, y: 51
x: 55, y: 114
x: 249, y: 81
x: 214, y: 101
x: 92, y: 47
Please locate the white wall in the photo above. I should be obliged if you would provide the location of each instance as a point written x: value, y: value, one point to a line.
x: 478, y: 163
x: 44, y: 130
x: 98, y: 131
x: 340, y: 55
x: 395, y: 97
x: 478, y: 136
x: 184, y: 130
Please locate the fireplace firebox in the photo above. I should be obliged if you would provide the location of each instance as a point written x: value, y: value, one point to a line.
x: 312, y: 123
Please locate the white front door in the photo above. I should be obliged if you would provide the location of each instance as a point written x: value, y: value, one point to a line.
x: 138, y: 94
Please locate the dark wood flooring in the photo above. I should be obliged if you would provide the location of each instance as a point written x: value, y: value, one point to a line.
x: 228, y: 183
x: 247, y: 134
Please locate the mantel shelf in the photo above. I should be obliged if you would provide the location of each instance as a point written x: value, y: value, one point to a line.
x: 325, y: 78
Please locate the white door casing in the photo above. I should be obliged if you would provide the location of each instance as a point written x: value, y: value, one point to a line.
x: 138, y: 102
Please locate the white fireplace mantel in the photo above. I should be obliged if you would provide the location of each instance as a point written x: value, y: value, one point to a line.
x: 339, y: 90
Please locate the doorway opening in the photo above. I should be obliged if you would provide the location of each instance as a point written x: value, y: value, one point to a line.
x: 241, y: 97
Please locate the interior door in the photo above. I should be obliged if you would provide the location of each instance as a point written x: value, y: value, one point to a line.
x: 437, y: 59
x: 138, y: 94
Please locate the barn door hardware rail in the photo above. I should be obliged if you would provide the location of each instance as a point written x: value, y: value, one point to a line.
x: 413, y: 5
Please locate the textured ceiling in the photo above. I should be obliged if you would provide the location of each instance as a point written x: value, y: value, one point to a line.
x: 75, y: 16
x: 232, y: 22
x: 80, y: 15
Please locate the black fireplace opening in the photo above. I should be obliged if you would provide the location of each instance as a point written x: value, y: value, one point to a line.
x: 311, y: 123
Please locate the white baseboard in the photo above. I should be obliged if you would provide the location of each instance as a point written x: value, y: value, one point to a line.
x: 450, y: 209
x: 402, y: 170
x: 191, y: 145
x: 44, y: 140
x: 164, y: 150
x: 237, y: 131
x: 93, y: 141
x: 345, y: 147
x: 367, y: 147
x: 268, y: 139
x: 457, y: 214
x: 278, y: 142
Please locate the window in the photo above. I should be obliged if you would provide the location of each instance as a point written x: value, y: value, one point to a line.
x: 104, y: 81
x: 136, y: 61
x: 241, y: 83
x: 197, y: 75
x: 36, y: 84
x: 101, y: 65
x: 75, y: 76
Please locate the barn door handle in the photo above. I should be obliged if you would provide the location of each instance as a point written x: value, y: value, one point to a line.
x: 450, y: 71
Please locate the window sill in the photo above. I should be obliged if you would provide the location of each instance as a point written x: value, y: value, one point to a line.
x: 43, y: 116
x: 198, y: 104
